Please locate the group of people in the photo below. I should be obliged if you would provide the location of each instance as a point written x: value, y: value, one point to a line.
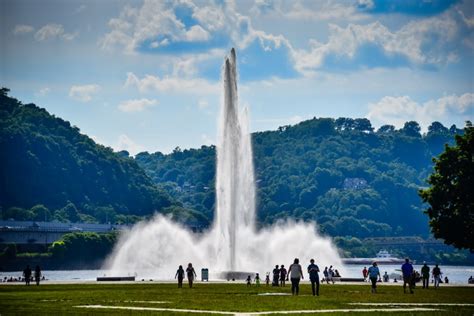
x: 409, y: 276
x: 257, y: 280
x: 28, y: 275
x: 436, y: 273
x: 295, y: 274
x: 190, y: 273
x: 280, y: 276
x: 330, y: 274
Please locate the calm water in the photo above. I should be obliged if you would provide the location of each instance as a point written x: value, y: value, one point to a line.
x: 456, y: 274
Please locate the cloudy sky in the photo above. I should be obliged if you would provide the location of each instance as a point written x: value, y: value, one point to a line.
x: 145, y: 75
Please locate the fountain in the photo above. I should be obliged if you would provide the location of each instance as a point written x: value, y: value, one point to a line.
x: 155, y: 248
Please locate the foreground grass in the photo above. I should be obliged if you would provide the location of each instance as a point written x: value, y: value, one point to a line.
x: 54, y: 299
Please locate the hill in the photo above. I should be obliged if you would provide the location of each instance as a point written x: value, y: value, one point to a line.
x: 49, y: 170
x: 350, y: 179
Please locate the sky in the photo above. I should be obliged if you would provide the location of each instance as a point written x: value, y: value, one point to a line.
x: 145, y: 75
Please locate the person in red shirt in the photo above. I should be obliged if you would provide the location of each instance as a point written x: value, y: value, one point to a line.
x: 365, y: 273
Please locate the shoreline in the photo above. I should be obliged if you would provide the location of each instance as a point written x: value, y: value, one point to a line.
x: 262, y: 286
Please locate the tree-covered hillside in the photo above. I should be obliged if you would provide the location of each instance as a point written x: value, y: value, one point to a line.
x: 350, y: 179
x: 49, y: 170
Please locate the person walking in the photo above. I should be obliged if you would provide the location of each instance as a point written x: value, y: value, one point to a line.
x: 37, y: 275
x: 276, y: 276
x: 331, y: 274
x: 425, y: 275
x: 313, y: 271
x: 407, y: 271
x: 249, y: 281
x: 326, y: 275
x: 436, y: 276
x: 191, y: 274
x: 180, y: 275
x: 283, y: 274
x: 27, y: 275
x: 374, y: 275
x: 295, y: 273
x: 267, y: 279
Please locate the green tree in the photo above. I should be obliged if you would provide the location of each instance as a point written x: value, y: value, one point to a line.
x: 18, y: 213
x: 411, y: 129
x: 450, y: 198
x: 58, y: 249
x: 83, y: 246
x: 41, y: 213
x: 71, y: 212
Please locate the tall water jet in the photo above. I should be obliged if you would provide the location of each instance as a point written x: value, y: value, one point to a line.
x: 235, y: 183
x: 156, y: 248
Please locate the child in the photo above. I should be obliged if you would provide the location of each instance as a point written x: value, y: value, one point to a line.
x: 249, y: 280
x: 267, y: 279
x: 257, y: 280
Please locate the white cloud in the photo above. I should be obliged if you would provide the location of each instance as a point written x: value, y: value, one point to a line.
x: 42, y: 92
x: 137, y: 25
x: 23, y: 29
x: 172, y: 84
x: 261, y: 7
x: 84, y: 93
x: 187, y: 65
x: 421, y: 41
x: 157, y: 20
x: 329, y: 10
x: 53, y: 31
x: 398, y: 110
x: 162, y: 43
x: 137, y: 105
x: 126, y: 143
x: 308, y: 10
x: 197, y: 34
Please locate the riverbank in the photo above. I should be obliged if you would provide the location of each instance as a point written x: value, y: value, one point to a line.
x: 458, y: 275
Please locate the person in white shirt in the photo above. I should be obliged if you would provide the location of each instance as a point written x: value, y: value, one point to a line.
x: 295, y: 272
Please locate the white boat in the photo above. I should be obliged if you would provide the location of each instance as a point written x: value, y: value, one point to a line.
x: 382, y: 257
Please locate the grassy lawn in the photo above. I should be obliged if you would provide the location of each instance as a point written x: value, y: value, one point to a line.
x: 56, y: 299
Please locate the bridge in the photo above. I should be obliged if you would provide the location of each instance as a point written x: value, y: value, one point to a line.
x: 45, y: 233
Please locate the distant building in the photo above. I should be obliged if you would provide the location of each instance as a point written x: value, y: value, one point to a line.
x: 355, y: 184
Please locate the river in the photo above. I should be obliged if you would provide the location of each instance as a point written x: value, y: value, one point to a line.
x: 456, y: 274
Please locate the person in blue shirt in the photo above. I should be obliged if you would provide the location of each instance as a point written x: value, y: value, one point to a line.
x: 374, y: 275
x: 407, y: 271
x: 314, y: 277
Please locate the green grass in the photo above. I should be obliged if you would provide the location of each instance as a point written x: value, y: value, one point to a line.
x: 54, y: 299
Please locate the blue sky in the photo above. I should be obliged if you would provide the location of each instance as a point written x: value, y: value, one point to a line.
x: 145, y: 75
